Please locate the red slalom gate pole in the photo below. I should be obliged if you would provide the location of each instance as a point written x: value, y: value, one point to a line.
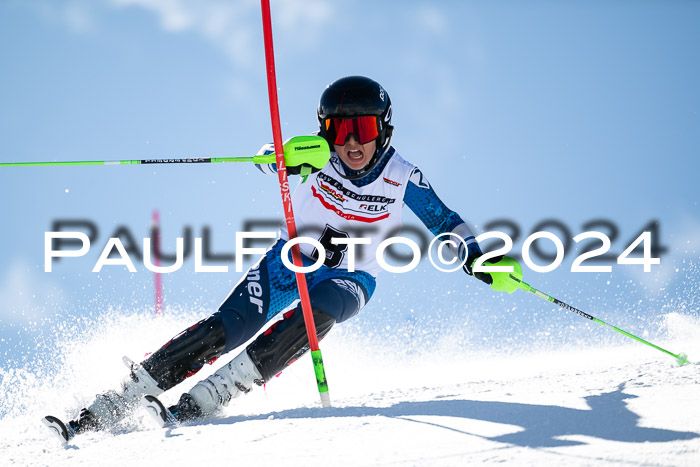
x: 287, y: 202
x: 156, y: 249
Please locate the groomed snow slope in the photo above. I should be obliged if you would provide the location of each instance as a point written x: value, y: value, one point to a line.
x: 624, y: 405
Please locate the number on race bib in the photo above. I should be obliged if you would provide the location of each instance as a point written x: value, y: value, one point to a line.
x: 334, y: 252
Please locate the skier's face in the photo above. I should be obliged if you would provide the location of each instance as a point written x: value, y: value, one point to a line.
x: 356, y: 155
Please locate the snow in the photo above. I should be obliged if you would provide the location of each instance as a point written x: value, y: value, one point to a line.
x: 623, y: 404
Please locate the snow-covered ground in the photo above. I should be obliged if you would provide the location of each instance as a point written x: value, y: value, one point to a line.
x: 611, y: 405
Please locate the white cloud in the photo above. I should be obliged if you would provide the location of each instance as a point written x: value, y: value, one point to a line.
x: 79, y: 18
x: 225, y: 24
x: 432, y: 19
x: 308, y: 20
x: 77, y: 15
x: 235, y: 26
x: 174, y: 15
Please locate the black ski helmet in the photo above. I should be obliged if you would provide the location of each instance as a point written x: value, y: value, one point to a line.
x: 356, y: 96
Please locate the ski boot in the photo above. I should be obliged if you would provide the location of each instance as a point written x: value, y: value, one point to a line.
x: 230, y: 381
x: 108, y: 408
x: 112, y: 406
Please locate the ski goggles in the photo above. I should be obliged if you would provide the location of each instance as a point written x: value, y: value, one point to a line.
x: 364, y: 128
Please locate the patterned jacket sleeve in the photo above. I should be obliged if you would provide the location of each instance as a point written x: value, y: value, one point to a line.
x: 436, y: 216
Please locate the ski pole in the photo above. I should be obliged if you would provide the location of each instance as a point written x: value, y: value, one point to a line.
x: 316, y: 358
x: 189, y: 160
x: 513, y: 281
x: 306, y: 151
x: 681, y: 358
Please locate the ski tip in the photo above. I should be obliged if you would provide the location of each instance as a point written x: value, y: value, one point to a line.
x: 58, y: 428
x: 156, y: 409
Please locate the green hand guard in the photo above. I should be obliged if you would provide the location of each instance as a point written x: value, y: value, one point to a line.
x: 310, y: 153
x: 307, y: 151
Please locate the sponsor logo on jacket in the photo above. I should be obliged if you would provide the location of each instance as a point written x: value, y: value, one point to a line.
x: 339, y: 188
x: 373, y: 207
x: 331, y: 191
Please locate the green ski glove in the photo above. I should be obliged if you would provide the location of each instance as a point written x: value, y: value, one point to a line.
x: 501, y: 281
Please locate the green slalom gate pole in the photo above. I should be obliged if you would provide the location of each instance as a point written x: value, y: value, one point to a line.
x: 514, y: 280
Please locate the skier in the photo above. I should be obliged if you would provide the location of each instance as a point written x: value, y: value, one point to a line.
x: 362, y: 189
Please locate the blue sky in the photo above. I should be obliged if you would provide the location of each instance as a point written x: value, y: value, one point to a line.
x: 527, y: 111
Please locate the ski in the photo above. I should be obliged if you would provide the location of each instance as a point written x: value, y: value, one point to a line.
x: 159, y: 412
x: 58, y: 429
